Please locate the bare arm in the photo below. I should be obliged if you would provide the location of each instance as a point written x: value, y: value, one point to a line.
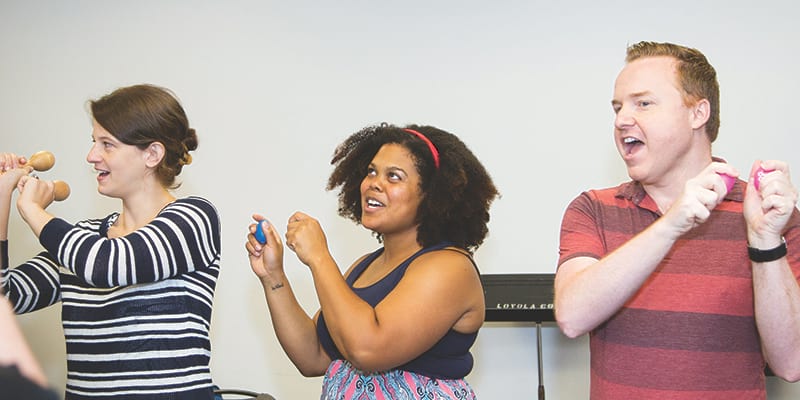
x: 441, y: 288
x: 14, y: 349
x: 775, y: 286
x: 589, y: 291
x: 11, y: 170
x: 295, y: 330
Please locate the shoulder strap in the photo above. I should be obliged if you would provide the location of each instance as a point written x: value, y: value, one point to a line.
x: 361, y: 266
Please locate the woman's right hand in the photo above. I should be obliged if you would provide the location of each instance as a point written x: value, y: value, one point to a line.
x: 266, y: 259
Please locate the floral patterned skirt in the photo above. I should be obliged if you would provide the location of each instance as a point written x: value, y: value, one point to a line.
x: 343, y: 382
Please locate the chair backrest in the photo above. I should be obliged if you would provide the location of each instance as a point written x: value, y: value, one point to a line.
x: 221, y: 394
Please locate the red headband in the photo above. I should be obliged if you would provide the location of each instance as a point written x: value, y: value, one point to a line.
x: 427, y: 141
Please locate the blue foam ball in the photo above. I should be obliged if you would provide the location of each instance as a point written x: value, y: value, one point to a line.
x: 260, y: 234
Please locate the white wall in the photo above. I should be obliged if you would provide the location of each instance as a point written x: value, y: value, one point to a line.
x: 273, y: 86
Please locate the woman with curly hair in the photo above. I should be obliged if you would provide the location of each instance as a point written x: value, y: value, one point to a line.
x: 400, y: 322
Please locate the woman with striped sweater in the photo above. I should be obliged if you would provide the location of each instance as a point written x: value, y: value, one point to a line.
x: 136, y: 286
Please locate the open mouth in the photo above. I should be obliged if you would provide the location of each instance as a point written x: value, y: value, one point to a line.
x: 631, y: 144
x: 372, y: 203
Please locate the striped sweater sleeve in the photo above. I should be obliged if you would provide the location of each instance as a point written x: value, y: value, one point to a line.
x: 31, y: 286
x: 184, y: 237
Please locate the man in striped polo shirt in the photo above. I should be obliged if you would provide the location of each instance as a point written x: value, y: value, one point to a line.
x: 685, y: 286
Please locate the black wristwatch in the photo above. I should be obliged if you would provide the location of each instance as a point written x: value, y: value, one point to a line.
x: 761, y: 256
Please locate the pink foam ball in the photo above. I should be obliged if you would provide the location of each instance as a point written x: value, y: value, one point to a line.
x: 729, y: 181
x: 760, y: 172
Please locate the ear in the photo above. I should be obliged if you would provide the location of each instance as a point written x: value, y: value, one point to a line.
x: 154, y: 153
x: 701, y: 111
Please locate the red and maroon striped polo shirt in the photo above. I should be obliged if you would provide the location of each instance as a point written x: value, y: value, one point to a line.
x: 689, y: 332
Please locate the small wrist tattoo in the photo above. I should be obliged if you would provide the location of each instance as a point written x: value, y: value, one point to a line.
x: 277, y: 286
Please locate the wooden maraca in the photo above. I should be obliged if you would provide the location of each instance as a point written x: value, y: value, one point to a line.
x: 43, y: 161
x: 60, y: 190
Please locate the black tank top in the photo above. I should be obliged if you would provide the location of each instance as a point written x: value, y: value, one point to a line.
x: 449, y: 358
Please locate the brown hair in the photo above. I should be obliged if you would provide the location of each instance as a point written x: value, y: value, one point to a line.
x: 697, y: 77
x: 139, y: 115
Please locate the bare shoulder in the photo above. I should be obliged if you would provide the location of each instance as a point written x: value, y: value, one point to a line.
x: 448, y: 262
x: 453, y: 281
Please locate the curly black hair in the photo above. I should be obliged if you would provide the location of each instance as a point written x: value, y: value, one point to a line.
x: 456, y: 195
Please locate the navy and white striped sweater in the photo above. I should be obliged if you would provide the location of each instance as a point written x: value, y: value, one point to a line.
x: 136, y: 310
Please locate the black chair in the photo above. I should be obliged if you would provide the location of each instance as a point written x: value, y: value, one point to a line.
x: 241, y: 394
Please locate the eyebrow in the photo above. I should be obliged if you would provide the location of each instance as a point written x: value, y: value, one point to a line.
x: 640, y: 94
x: 632, y: 95
x: 394, y: 168
x: 391, y: 168
x: 106, y: 137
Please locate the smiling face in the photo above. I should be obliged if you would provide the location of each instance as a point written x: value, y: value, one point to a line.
x: 121, y: 167
x: 390, y: 193
x: 654, y: 129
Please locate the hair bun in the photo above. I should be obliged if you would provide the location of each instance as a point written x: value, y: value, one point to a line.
x: 190, y: 141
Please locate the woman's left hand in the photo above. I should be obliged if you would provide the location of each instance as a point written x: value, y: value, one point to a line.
x: 305, y: 237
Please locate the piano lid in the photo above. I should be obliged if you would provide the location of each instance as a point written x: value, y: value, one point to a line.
x: 519, y: 297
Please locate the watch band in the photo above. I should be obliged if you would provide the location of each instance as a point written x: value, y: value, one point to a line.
x: 758, y: 255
